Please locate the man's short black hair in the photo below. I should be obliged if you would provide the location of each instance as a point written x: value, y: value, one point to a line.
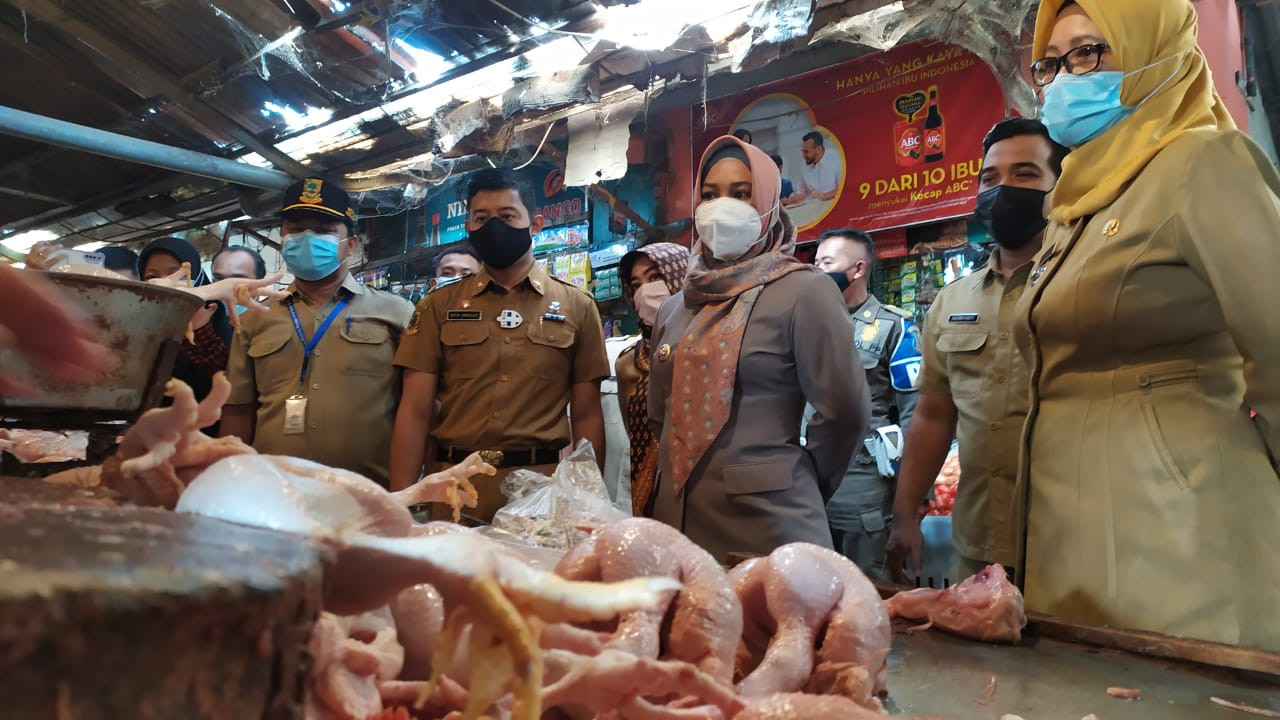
x: 1015, y: 126
x: 743, y: 134
x: 777, y: 160
x: 458, y: 248
x: 501, y: 179
x: 259, y: 265
x: 862, y: 237
x: 814, y: 137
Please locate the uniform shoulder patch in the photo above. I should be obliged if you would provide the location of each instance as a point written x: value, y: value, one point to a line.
x: 896, y: 310
x: 905, y: 362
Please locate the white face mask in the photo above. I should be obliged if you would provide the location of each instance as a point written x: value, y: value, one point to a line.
x: 648, y: 298
x: 728, y: 227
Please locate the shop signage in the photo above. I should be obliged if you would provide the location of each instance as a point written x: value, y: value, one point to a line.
x: 884, y: 141
x: 445, y: 214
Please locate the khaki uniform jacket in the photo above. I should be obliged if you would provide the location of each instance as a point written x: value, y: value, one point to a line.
x: 757, y: 487
x: 505, y: 361
x: 1151, y: 329
x: 970, y: 356
x: 352, y: 387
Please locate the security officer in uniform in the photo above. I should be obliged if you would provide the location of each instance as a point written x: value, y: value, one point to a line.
x: 313, y: 377
x: 860, y: 512
x: 505, y: 351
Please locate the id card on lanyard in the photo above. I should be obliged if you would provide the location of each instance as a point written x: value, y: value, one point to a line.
x: 295, y: 406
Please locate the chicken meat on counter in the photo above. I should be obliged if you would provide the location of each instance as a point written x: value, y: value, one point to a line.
x: 350, y: 656
x: 812, y: 622
x: 704, y: 621
x: 496, y: 597
x: 164, y: 450
x: 985, y: 607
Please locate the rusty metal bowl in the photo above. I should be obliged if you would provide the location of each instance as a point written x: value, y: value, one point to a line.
x: 141, y: 323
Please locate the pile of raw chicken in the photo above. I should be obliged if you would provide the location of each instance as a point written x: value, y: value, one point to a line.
x: 636, y: 622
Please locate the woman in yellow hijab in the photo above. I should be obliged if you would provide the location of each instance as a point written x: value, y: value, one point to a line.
x: 1152, y: 328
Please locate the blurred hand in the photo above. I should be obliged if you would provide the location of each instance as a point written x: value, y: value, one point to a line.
x: 203, y: 316
x: 905, y: 541
x: 40, y: 324
x: 239, y: 291
x: 230, y: 292
x: 44, y: 255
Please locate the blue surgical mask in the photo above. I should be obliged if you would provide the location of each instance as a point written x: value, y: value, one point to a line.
x: 311, y: 255
x: 1079, y: 108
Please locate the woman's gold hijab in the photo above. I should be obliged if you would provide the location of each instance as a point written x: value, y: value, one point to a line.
x: 1140, y: 32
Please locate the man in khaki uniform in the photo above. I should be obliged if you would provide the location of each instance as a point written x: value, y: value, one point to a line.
x: 974, y: 382
x: 505, y: 351
x: 313, y: 376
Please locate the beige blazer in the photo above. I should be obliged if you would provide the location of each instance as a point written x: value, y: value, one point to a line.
x: 1151, y: 329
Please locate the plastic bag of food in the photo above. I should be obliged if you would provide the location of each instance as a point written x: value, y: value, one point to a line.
x: 553, y: 511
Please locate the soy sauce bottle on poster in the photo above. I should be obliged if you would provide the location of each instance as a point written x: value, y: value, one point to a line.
x: 935, y: 134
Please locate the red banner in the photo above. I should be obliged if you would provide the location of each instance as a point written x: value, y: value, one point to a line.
x: 883, y: 141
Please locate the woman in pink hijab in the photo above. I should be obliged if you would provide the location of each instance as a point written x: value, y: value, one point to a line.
x: 752, y: 337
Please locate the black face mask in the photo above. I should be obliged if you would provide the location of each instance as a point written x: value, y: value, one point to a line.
x: 1013, y: 215
x: 499, y: 245
x: 842, y: 280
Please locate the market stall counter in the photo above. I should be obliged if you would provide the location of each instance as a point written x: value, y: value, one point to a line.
x: 1062, y: 671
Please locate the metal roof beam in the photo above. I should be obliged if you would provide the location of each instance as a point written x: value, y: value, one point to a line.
x: 123, y: 147
x: 54, y: 16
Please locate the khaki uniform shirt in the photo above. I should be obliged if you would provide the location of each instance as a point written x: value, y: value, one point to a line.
x: 352, y: 387
x: 505, y: 360
x: 970, y: 355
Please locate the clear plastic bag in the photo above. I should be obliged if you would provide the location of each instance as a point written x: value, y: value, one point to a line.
x: 557, y: 511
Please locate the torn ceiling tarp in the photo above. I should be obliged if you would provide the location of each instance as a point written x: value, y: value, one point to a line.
x: 994, y: 30
x: 598, y: 140
x: 772, y: 23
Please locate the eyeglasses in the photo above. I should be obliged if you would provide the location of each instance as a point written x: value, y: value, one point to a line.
x: 1080, y: 60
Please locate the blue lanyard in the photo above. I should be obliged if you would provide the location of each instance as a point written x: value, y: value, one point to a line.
x: 308, y: 347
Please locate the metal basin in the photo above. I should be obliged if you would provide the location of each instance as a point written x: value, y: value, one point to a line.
x: 141, y: 323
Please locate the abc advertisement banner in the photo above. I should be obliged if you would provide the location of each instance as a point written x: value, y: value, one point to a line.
x: 883, y: 141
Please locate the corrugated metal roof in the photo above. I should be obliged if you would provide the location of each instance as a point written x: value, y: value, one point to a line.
x: 356, y: 87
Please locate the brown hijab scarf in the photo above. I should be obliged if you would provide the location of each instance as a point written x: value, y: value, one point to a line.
x: 672, y: 261
x: 706, y: 364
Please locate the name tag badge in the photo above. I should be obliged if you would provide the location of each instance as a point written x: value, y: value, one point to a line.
x: 464, y: 315
x: 295, y: 415
x: 968, y: 318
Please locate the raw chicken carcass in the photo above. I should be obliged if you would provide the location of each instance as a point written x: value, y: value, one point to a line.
x: 799, y: 706
x: 984, y: 607
x: 164, y: 449
x: 705, y: 616
x: 806, y: 606
x: 350, y: 656
x: 419, y: 616
x: 619, y: 681
x: 483, y: 586
x: 44, y: 446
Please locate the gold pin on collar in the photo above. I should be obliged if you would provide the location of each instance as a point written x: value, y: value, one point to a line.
x: 664, y: 352
x: 1112, y: 227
